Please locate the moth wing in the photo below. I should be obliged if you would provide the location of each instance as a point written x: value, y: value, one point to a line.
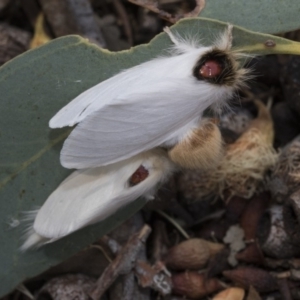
x: 92, y: 99
x: 107, y: 92
x: 134, y: 123
x: 143, y: 76
x: 91, y: 195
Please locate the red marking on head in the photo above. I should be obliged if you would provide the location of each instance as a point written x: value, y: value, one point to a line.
x: 210, y: 69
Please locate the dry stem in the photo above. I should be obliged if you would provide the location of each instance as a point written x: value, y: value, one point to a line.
x: 122, y: 264
x: 152, y: 6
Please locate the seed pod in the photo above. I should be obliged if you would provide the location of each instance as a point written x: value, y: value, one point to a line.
x: 294, y: 199
x: 251, y: 254
x: 191, y: 254
x: 235, y: 207
x: 230, y: 294
x: 261, y: 280
x: 252, y: 214
x: 218, y: 263
x: 284, y: 288
x: 194, y: 285
x: 252, y: 294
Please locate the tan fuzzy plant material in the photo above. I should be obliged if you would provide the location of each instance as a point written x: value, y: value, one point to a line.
x: 242, y: 170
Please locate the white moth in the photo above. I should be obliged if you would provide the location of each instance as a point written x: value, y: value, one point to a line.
x: 122, y: 121
x: 90, y: 195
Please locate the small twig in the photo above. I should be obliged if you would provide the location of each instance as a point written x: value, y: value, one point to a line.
x: 270, y: 103
x: 103, y: 252
x: 160, y: 240
x: 23, y: 289
x: 177, y: 209
x: 121, y: 11
x: 223, y: 284
x: 72, y: 16
x: 174, y: 223
x: 282, y: 275
x: 40, y: 36
x: 152, y: 6
x: 216, y: 215
x: 200, y: 4
x: 130, y: 287
x: 122, y: 264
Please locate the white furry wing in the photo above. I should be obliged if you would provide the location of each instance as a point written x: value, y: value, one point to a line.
x: 91, y: 195
x: 137, y: 122
x: 127, y: 82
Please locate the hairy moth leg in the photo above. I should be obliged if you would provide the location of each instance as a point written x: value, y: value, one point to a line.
x: 201, y: 149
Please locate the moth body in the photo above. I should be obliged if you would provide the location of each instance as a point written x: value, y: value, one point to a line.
x: 133, y: 130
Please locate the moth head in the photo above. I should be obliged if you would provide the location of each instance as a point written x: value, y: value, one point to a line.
x: 220, y: 65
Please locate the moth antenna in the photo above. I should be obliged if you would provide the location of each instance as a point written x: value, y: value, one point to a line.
x: 181, y: 45
x: 224, y: 42
x: 171, y: 36
x: 229, y: 35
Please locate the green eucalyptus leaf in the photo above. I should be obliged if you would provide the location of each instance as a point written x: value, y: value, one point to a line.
x: 245, y: 40
x: 268, y: 16
x: 33, y: 87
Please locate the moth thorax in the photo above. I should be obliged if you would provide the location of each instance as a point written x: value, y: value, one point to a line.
x: 217, y: 67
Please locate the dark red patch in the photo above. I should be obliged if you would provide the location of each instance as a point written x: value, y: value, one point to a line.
x: 138, y: 176
x: 210, y: 69
x: 217, y: 67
